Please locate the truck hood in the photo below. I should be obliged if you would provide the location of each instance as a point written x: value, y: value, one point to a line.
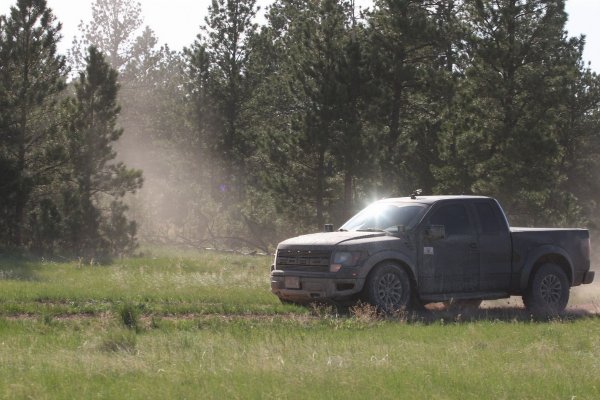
x: 327, y: 238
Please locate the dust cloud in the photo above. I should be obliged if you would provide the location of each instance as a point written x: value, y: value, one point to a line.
x: 588, y: 296
x: 168, y: 208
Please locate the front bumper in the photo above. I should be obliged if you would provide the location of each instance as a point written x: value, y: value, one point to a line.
x: 312, y: 288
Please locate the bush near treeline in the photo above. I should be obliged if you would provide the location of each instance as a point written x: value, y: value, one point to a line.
x: 257, y: 132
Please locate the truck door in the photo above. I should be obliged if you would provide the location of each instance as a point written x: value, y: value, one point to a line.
x: 450, y: 264
x: 495, y: 246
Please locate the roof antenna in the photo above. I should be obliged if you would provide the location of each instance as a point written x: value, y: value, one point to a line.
x: 416, y: 193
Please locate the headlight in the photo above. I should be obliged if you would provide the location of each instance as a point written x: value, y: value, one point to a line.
x: 344, y: 259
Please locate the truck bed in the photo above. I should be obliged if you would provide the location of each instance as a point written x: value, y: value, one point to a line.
x: 571, y: 244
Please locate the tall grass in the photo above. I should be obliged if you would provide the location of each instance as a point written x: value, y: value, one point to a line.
x: 202, y: 283
x: 206, y: 326
x: 300, y: 358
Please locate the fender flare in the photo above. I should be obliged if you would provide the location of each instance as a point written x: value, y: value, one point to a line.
x: 540, y: 252
x: 376, y: 258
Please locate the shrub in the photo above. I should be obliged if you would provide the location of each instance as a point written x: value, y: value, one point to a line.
x: 130, y: 316
x: 365, y: 313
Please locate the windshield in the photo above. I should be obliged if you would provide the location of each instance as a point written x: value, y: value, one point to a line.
x: 385, y: 217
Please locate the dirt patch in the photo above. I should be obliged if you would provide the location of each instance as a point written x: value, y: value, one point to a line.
x: 585, y: 309
x: 511, y: 309
x: 59, y: 317
x: 147, y: 318
x: 504, y: 310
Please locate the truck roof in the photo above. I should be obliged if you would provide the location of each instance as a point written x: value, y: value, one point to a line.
x: 431, y: 199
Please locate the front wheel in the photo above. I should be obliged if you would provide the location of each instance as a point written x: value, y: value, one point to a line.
x: 388, y: 288
x: 548, y: 293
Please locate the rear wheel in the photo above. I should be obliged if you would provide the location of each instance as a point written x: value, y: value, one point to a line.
x: 388, y: 288
x: 548, y: 292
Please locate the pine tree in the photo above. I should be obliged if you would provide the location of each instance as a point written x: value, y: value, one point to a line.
x: 31, y: 76
x: 351, y: 150
x: 578, y: 134
x: 111, y: 30
x: 220, y: 89
x: 219, y: 56
x: 98, y: 180
x: 404, y: 47
x: 314, y: 88
x: 510, y: 100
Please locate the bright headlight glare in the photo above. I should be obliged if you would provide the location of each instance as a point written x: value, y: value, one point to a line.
x: 346, y: 258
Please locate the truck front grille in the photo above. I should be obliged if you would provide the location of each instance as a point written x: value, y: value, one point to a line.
x: 303, y: 260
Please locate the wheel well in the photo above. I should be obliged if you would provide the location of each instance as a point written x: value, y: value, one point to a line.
x: 552, y: 259
x: 401, y: 264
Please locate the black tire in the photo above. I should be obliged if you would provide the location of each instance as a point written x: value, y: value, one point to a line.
x: 548, y: 291
x: 388, y: 288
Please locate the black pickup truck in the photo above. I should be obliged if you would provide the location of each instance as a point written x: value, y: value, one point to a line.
x: 400, y: 253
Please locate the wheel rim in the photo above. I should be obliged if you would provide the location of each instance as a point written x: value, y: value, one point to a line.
x: 389, y: 290
x: 551, y: 289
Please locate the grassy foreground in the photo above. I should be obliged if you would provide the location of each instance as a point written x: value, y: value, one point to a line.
x: 206, y: 326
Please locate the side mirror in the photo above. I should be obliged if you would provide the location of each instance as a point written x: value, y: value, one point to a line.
x: 328, y: 227
x: 435, y: 232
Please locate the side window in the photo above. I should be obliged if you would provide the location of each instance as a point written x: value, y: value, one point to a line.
x: 490, y: 223
x: 455, y: 219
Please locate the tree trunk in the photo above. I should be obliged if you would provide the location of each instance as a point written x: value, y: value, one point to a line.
x: 347, y: 194
x: 394, y: 134
x: 21, y: 195
x: 320, y: 188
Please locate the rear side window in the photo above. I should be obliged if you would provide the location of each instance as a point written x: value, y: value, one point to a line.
x: 490, y: 222
x: 455, y: 219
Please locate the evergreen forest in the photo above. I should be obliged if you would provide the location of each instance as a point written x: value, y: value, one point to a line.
x: 255, y: 132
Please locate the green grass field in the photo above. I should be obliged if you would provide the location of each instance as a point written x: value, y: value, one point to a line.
x: 204, y: 325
